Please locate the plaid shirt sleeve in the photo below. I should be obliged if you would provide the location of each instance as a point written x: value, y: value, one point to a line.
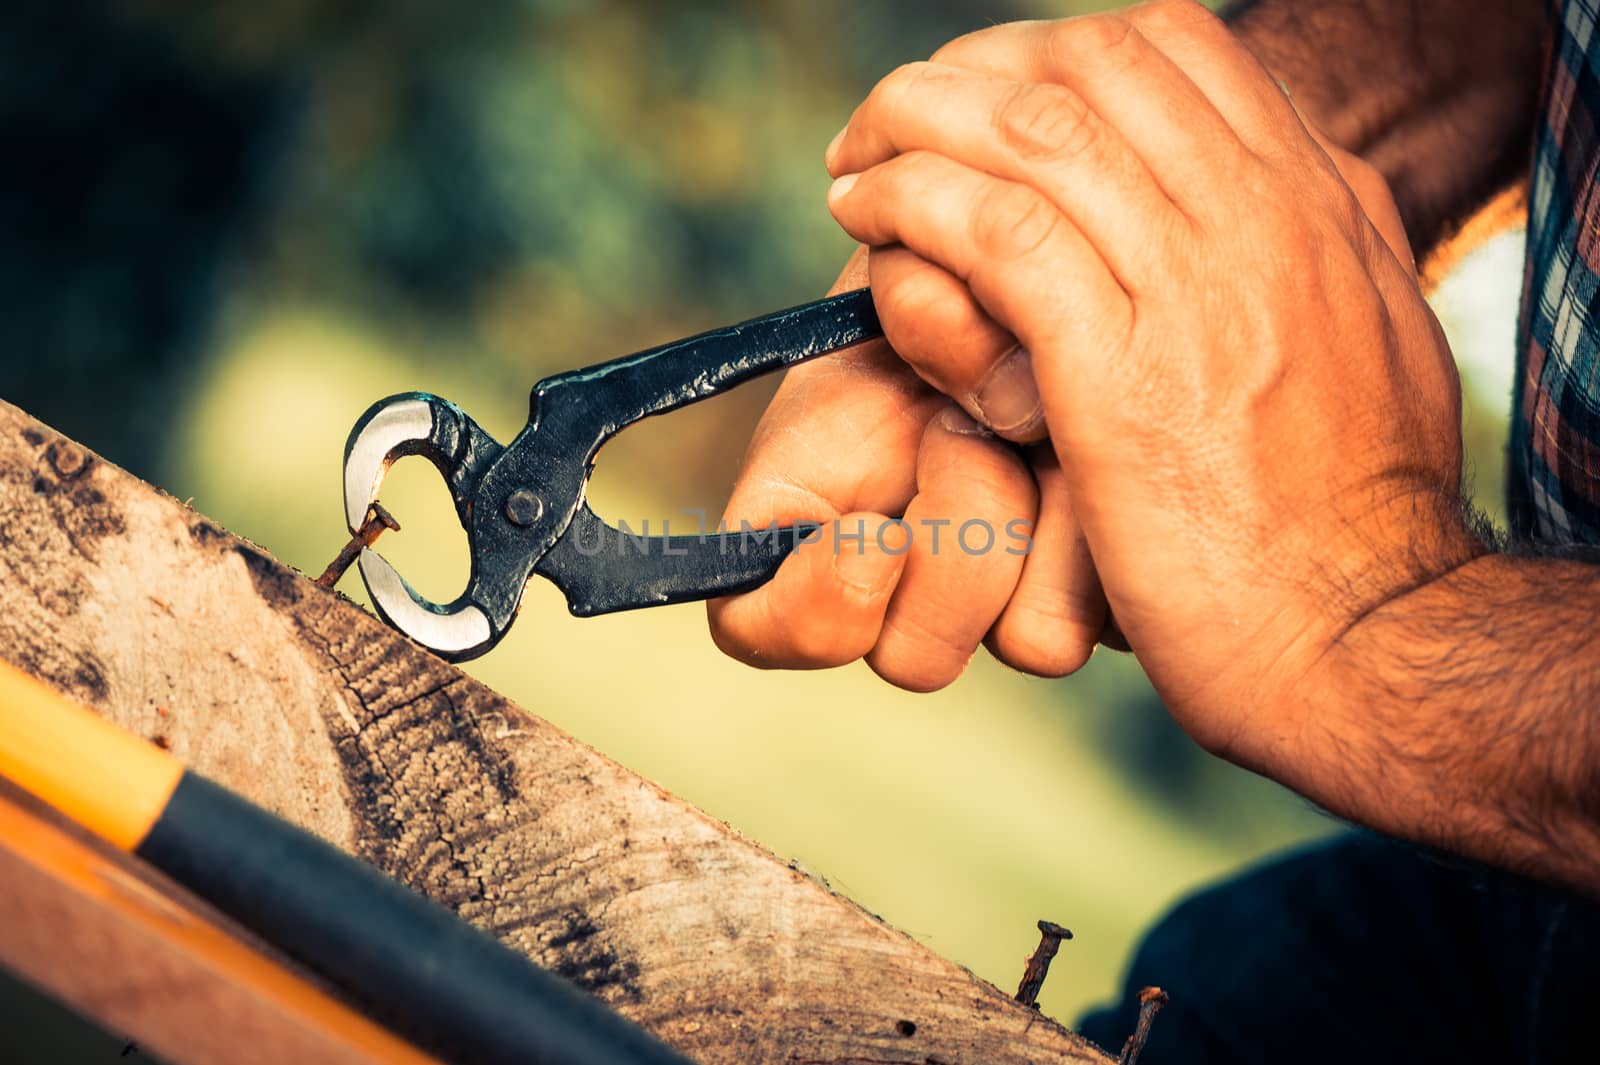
x: 1553, y: 481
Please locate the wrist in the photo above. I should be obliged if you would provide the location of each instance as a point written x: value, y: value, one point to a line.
x: 1363, y: 658
x: 1413, y: 542
x: 1459, y: 715
x: 1320, y: 589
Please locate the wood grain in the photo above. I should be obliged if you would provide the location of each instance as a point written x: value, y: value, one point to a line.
x: 297, y: 698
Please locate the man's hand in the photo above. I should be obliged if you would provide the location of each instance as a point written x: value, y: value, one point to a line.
x: 876, y: 416
x: 1256, y: 418
x: 1254, y: 409
x: 860, y: 437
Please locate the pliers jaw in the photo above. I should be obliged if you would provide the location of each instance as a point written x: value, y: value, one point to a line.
x: 455, y: 631
x: 523, y: 505
x: 417, y: 423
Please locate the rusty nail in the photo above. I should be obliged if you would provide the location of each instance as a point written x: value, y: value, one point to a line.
x: 1151, y: 999
x: 377, y: 521
x: 67, y: 460
x: 1051, y: 935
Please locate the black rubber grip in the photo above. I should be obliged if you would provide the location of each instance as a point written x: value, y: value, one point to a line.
x: 411, y: 965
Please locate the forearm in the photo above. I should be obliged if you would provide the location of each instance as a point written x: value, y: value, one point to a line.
x: 1439, y: 95
x: 1466, y: 715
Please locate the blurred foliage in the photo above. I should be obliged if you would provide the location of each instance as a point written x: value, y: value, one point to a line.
x: 131, y: 171
x: 232, y: 227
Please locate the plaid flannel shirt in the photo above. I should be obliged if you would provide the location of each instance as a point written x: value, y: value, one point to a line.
x: 1553, y: 483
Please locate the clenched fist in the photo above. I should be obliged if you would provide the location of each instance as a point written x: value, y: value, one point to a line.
x: 1212, y: 315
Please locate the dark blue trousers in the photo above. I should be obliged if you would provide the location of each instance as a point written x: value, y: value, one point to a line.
x: 1366, y: 950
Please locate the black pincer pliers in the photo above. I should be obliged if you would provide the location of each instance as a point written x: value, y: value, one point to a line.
x: 523, y: 504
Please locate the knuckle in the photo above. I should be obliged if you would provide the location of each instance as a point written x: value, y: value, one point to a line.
x: 900, y: 81
x: 1104, y: 44
x: 1276, y: 234
x: 909, y: 302
x: 1345, y: 205
x: 1045, y: 122
x: 1167, y: 16
x: 892, y: 179
x: 988, y: 44
x: 951, y: 52
x: 1367, y: 183
x: 1269, y: 207
x: 904, y: 178
x: 1071, y: 40
x: 925, y: 322
x: 1013, y: 221
x: 1326, y: 202
x: 1297, y: 252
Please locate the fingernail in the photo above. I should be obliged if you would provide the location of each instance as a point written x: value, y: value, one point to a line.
x: 841, y: 188
x: 1008, y: 399
x: 955, y: 420
x: 831, y: 155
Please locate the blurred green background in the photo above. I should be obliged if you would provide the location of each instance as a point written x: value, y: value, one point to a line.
x: 230, y: 228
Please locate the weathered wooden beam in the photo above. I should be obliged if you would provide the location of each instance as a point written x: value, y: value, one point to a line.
x: 129, y: 601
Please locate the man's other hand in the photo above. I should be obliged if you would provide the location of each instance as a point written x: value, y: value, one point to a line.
x: 1255, y: 411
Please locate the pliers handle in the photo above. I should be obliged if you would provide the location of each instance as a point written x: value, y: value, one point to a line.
x: 523, y: 504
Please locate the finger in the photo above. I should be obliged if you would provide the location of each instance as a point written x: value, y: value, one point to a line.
x: 1372, y: 192
x: 824, y: 608
x: 1260, y: 109
x: 1058, y: 611
x: 1027, y: 265
x: 934, y: 324
x: 1041, y: 134
x: 1200, y: 44
x: 1174, y: 129
x: 969, y: 486
x: 841, y: 435
x: 840, y: 441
